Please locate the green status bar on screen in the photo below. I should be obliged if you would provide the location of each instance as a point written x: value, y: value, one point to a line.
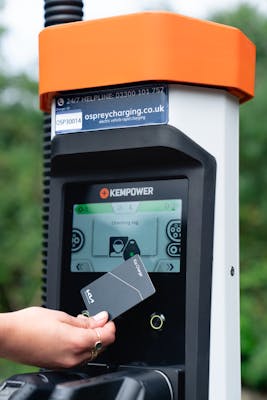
x: 129, y: 207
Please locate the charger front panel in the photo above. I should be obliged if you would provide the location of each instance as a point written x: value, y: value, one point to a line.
x: 148, y: 191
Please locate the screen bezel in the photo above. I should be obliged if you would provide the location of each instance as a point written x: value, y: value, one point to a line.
x: 87, y: 192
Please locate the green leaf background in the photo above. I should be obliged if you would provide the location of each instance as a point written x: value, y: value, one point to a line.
x: 21, y: 194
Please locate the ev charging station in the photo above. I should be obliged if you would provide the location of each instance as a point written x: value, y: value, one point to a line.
x: 144, y: 160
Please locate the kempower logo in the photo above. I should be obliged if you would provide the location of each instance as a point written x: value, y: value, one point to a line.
x: 104, y: 193
x: 125, y: 192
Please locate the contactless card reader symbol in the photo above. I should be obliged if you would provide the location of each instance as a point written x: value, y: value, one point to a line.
x: 131, y: 249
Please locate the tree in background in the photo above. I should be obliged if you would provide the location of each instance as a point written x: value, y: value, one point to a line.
x: 21, y: 187
x: 253, y: 203
x: 20, y: 196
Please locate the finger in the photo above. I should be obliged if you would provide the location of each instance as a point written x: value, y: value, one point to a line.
x: 82, y: 321
x: 86, y: 322
x: 90, y: 355
x: 105, y: 334
x: 101, y: 318
x: 89, y: 338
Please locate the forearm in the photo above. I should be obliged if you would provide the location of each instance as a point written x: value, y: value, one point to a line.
x: 51, y: 339
x: 8, y: 333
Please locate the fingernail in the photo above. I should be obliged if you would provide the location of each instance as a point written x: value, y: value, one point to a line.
x: 100, y: 316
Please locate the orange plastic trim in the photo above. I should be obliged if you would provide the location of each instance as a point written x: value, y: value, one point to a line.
x: 150, y: 46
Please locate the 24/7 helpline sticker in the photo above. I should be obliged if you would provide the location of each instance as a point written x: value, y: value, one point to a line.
x: 110, y: 108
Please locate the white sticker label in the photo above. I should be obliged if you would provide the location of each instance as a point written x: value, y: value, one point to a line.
x: 69, y: 121
x: 100, y: 109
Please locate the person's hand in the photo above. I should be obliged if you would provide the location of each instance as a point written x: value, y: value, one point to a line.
x: 52, y: 339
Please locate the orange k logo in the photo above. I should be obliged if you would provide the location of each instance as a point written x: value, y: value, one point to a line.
x: 104, y: 193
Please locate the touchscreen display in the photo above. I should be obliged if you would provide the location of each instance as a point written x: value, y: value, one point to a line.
x: 105, y: 234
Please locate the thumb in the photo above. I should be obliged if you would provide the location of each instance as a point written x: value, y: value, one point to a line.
x: 97, y: 320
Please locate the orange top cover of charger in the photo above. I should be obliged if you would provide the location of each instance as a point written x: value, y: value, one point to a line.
x: 143, y: 47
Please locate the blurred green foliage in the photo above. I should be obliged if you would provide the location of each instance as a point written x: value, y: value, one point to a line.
x: 253, y: 203
x: 20, y: 192
x: 20, y: 200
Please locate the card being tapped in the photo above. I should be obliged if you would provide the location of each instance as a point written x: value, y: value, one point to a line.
x: 120, y: 289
